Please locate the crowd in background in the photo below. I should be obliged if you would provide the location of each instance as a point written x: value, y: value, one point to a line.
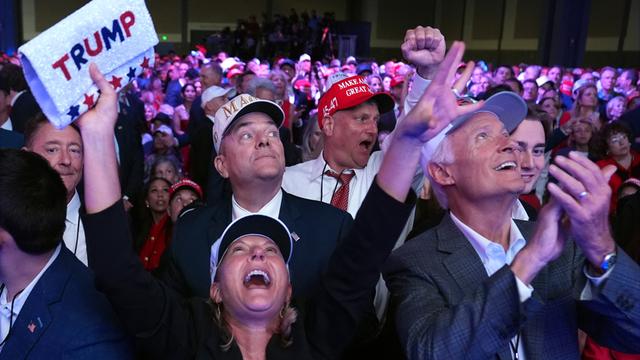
x: 279, y: 35
x: 586, y: 109
x: 167, y: 115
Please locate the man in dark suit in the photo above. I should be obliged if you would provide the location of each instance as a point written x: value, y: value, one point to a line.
x: 23, y: 104
x: 49, y: 307
x: 250, y: 155
x: 130, y: 153
x: 482, y: 286
x: 199, y: 136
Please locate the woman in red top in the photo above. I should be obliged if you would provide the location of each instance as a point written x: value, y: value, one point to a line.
x: 156, y: 230
x: 619, y: 153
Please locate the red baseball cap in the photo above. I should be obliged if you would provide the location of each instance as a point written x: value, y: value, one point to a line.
x: 185, y: 184
x: 233, y: 73
x: 397, y: 81
x: 349, y: 92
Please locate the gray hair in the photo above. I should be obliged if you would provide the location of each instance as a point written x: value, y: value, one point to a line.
x: 442, y: 155
x: 260, y: 83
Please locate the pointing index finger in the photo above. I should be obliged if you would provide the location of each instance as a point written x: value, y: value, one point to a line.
x: 448, y: 66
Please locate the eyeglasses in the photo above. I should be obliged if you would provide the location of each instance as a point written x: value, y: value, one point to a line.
x: 618, y: 139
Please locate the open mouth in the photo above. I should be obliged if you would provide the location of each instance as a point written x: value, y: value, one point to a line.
x: 507, y: 165
x: 257, y: 278
x: 366, y: 144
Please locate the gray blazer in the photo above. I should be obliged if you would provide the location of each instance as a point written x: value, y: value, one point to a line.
x: 448, y: 308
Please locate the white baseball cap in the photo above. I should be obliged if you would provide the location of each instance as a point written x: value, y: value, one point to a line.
x: 213, y: 92
x: 304, y: 57
x: 238, y: 106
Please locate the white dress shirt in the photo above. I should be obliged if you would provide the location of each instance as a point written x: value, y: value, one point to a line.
x: 272, y: 208
x: 494, y: 257
x: 73, y: 237
x: 6, y: 320
x: 308, y: 180
x: 7, y: 125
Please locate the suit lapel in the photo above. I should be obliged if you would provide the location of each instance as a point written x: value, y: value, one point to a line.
x: 463, y: 263
x: 35, y: 316
x: 289, y: 213
x: 533, y: 332
x: 220, y: 219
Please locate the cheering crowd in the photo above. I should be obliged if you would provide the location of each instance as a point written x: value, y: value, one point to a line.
x: 231, y: 208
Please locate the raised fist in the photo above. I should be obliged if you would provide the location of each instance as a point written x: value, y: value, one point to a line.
x: 424, y: 47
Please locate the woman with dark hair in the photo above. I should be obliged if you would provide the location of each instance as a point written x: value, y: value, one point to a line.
x: 181, y: 114
x: 553, y: 108
x: 617, y: 140
x: 154, y: 227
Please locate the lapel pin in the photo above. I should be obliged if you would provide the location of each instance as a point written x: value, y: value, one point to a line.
x: 32, y: 327
x: 295, y: 236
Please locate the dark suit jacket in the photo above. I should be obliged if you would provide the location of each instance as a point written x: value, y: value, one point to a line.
x: 202, y: 153
x: 70, y: 319
x: 173, y: 94
x: 318, y: 227
x: 448, y: 308
x: 168, y: 326
x: 24, y: 108
x: 127, y: 131
x: 11, y: 139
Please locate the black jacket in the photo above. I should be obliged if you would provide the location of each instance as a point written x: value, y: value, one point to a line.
x: 169, y: 327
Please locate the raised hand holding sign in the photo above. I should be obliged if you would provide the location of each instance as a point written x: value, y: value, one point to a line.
x: 117, y: 35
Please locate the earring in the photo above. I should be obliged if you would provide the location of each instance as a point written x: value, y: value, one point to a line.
x: 217, y: 310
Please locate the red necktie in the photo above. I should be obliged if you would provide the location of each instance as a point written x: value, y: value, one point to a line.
x: 340, y: 198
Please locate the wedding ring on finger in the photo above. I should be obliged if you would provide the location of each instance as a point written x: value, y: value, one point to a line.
x: 583, y: 195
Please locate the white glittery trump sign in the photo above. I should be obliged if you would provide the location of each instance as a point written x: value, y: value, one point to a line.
x: 117, y: 35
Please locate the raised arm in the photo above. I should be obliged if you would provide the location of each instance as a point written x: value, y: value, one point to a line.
x: 435, y: 110
x: 102, y: 186
x: 355, y: 266
x: 141, y: 302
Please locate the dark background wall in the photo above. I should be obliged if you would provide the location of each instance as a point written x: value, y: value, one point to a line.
x: 573, y: 32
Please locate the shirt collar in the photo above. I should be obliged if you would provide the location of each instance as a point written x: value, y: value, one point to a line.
x: 319, y: 166
x: 487, y: 249
x: 518, y: 212
x: 8, y: 125
x: 22, y: 297
x: 272, y: 208
x: 73, y: 209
